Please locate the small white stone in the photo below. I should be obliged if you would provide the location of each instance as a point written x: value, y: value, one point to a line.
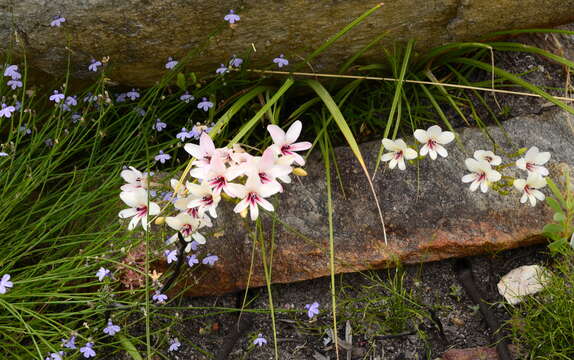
x: 522, y: 281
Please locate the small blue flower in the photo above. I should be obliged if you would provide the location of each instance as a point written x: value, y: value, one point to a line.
x: 89, y: 98
x: 71, y: 343
x: 140, y: 111
x: 120, y: 98
x: 187, y: 97
x: 159, y: 125
x: 49, y: 142
x: 166, y: 195
x: 133, y: 94
x: 162, y: 158
x: 57, y: 21
x: 184, y: 134
x: 5, y: 283
x: 76, y: 117
x: 56, y: 356
x: 57, y: 97
x: 159, y: 297
x: 18, y: 105
x: 235, y: 61
x: 170, y: 64
x: 312, y: 309
x: 72, y: 100
x: 174, y: 345
x: 24, y: 129
x: 102, y: 273
x: 3, y: 154
x: 205, y: 104
x: 170, y: 255
x: 6, y: 111
x: 210, y: 260
x: 111, y: 329
x: 14, y: 84
x: 259, y: 340
x: 192, y: 260
x: 87, y: 350
x: 232, y: 17
x: 94, y: 65
x: 281, y: 61
x: 222, y: 69
x: 12, y: 71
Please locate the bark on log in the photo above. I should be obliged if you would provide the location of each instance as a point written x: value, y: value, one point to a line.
x: 139, y: 35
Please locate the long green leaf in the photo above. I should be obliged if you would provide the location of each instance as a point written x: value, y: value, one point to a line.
x: 129, y: 347
x: 237, y: 105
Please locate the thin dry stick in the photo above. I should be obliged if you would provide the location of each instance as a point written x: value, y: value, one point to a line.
x: 376, y: 78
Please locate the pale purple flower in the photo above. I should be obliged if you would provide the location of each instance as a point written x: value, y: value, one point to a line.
x: 210, y: 260
x: 57, y: 97
x: 12, y: 71
x: 94, y: 65
x: 14, y: 84
x: 162, y: 158
x: 170, y: 64
x: 184, y: 134
x: 222, y: 69
x: 102, y: 273
x: 140, y: 111
x: 174, y: 345
x: 194, y: 245
x: 170, y: 255
x: 57, y: 21
x: 235, y: 61
x: 259, y: 340
x: 90, y: 98
x: 192, y: 260
x: 281, y: 61
x: 3, y: 154
x: 18, y: 105
x: 166, y: 195
x: 111, y: 329
x: 186, y: 97
x: 312, y: 309
x: 25, y: 130
x: 70, y: 344
x: 205, y: 104
x: 76, y: 117
x: 5, y: 283
x: 87, y: 350
x: 49, y: 142
x: 6, y: 111
x: 232, y: 17
x: 72, y: 100
x: 121, y: 97
x: 195, y: 132
x: 159, y: 297
x: 133, y: 94
x: 159, y: 125
x: 55, y: 356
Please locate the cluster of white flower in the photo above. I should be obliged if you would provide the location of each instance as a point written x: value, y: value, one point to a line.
x: 483, y: 166
x: 239, y: 175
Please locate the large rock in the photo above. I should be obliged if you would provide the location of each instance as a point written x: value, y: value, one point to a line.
x: 139, y: 35
x: 429, y: 213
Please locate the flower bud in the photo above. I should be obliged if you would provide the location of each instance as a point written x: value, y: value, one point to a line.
x: 299, y: 172
x: 159, y: 220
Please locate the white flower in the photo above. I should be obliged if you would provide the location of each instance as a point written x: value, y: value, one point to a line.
x: 138, y: 200
x: 533, y: 161
x: 284, y: 142
x: 135, y: 179
x: 187, y: 225
x: 203, y: 197
x: 399, y: 152
x: 433, y: 139
x: 482, y: 174
x: 529, y: 186
x: 202, y: 152
x: 253, y: 194
x: 489, y: 156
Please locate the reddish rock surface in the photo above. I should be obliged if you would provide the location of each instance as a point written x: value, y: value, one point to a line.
x: 429, y: 215
x: 476, y: 353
